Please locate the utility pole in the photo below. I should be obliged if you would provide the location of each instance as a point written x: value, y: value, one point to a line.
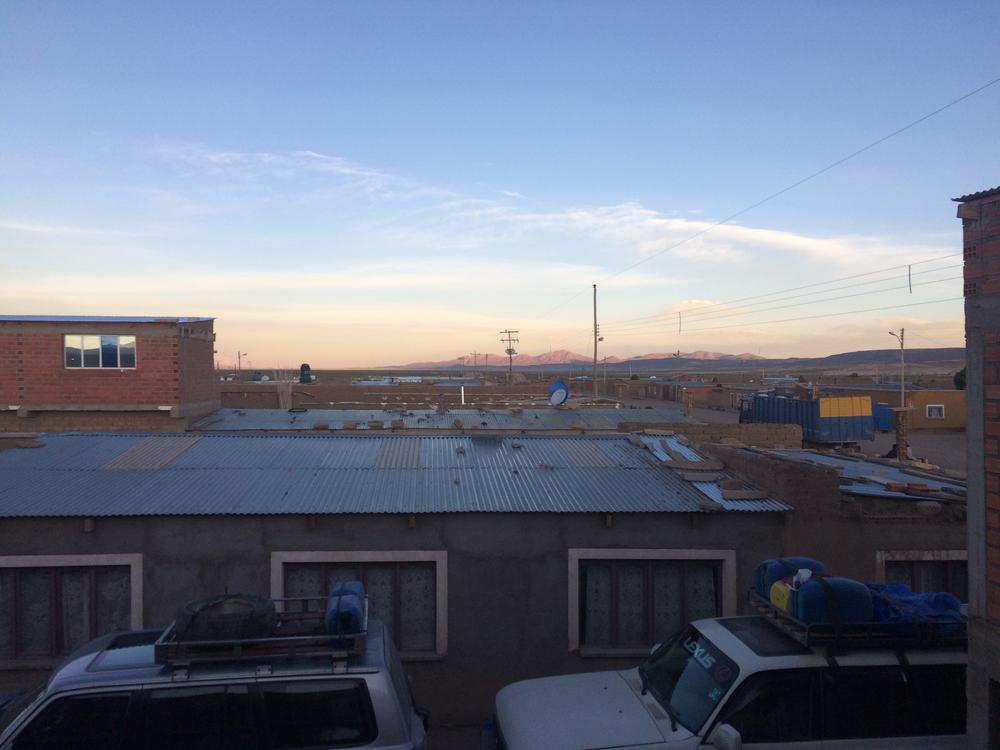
x: 902, y: 443
x: 475, y: 364
x: 901, y: 337
x: 239, y: 364
x: 509, y: 338
x: 594, y: 373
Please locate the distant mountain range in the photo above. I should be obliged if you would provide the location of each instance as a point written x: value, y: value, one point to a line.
x: 562, y: 360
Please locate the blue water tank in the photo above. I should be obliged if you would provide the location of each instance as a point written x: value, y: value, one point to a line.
x: 852, y: 600
x: 345, y: 608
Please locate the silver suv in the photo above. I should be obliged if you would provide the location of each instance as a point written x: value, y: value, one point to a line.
x: 114, y: 693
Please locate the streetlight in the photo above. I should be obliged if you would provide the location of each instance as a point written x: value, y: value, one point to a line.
x: 239, y: 361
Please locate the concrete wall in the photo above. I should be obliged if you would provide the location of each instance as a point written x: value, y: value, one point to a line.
x: 981, y: 250
x: 319, y: 395
x: 759, y: 435
x: 93, y: 421
x: 507, y: 575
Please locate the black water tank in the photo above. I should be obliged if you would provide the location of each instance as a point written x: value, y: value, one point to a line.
x: 305, y: 373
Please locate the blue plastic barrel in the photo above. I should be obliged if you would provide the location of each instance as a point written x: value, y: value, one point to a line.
x: 345, y: 608
x: 852, y: 600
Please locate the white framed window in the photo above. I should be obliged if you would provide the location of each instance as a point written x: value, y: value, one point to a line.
x: 407, y: 590
x: 935, y: 411
x: 52, y: 604
x: 104, y: 351
x: 622, y: 601
x: 926, y: 570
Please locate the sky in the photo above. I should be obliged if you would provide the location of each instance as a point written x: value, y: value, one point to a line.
x: 362, y: 184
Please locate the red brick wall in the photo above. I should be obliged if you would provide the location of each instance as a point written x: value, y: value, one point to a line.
x: 198, y: 381
x: 981, y: 250
x: 32, y: 370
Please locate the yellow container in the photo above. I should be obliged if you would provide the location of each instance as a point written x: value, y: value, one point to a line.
x: 781, y: 596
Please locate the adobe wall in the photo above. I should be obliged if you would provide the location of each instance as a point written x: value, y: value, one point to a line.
x: 325, y: 395
x: 760, y: 435
x: 93, y: 421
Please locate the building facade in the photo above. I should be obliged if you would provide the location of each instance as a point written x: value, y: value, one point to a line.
x: 105, y: 373
x: 980, y: 215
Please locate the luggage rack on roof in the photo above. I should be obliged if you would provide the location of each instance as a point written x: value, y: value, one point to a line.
x: 299, y: 632
x: 863, y: 635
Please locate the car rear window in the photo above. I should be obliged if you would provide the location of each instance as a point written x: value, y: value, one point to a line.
x: 763, y: 638
x: 318, y: 714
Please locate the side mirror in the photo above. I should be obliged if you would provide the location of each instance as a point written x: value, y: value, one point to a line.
x: 725, y: 737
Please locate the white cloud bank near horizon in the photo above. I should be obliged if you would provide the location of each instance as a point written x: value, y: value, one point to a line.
x: 309, y: 257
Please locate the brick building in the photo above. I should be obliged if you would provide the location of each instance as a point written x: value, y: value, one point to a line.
x: 105, y: 373
x: 980, y: 215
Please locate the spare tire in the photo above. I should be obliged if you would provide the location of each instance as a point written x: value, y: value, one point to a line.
x: 226, y: 618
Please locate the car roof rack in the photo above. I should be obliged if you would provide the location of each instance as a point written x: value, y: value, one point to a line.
x: 300, y: 632
x: 846, y: 636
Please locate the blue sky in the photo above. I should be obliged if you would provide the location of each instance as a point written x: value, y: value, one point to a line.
x: 365, y: 183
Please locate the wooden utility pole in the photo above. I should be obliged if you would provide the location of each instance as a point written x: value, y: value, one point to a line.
x: 594, y: 375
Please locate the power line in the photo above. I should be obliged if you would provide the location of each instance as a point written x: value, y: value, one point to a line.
x: 508, y: 337
x: 831, y: 315
x: 724, y: 314
x: 790, y: 187
x: 699, y: 309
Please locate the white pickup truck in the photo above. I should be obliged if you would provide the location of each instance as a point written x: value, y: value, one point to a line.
x: 739, y: 682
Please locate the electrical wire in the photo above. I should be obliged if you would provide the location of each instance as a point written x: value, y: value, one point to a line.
x: 787, y: 188
x: 723, y: 314
x: 699, y: 309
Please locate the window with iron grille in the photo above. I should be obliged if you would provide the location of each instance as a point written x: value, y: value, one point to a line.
x: 49, y: 611
x: 636, y: 603
x: 103, y: 352
x: 931, y: 575
x: 935, y: 411
x: 403, y: 595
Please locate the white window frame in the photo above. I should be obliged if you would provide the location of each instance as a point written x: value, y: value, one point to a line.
x: 727, y: 595
x: 100, y: 367
x: 438, y: 557
x: 927, y: 410
x: 133, y: 561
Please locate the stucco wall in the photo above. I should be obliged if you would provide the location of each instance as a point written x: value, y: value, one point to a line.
x: 507, y: 575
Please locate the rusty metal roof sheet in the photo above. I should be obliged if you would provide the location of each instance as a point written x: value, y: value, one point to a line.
x: 332, y: 474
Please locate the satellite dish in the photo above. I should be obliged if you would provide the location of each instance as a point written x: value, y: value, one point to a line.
x: 558, y: 393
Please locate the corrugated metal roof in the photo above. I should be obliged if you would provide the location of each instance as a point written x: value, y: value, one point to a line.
x: 988, y: 193
x: 494, y: 419
x: 153, y: 452
x: 98, y: 319
x: 319, y: 474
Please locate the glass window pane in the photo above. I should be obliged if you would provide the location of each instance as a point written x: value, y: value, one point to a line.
x: 109, y: 351
x: 960, y: 579
x: 126, y: 351
x: 699, y: 589
x: 899, y: 571
x: 867, y: 703
x: 34, y: 613
x: 416, y: 607
x: 242, y: 732
x: 775, y: 708
x: 114, y: 599
x: 184, y: 718
x: 380, y: 583
x: 317, y: 714
x: 940, y: 697
x: 91, y: 351
x: 304, y: 580
x: 73, y: 348
x: 83, y: 722
x: 668, y: 616
x: 631, y: 604
x: 596, y: 610
x: 930, y: 576
x: 75, y: 602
